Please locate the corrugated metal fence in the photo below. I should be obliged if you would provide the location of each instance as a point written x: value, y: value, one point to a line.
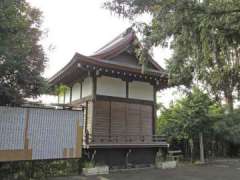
x: 34, y: 133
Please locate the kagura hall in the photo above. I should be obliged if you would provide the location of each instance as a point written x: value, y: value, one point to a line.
x: 119, y: 102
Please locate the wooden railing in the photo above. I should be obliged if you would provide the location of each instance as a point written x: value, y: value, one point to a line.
x: 125, y: 139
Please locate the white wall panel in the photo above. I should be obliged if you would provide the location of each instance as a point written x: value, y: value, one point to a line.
x: 67, y: 96
x: 87, y: 87
x: 61, y: 99
x: 76, y: 91
x: 111, y: 86
x: 141, y: 90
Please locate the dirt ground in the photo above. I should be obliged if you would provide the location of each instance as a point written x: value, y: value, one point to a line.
x: 219, y: 170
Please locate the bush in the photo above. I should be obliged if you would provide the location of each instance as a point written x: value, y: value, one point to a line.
x: 39, y: 170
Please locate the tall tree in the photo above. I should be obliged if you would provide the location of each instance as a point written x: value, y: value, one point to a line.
x: 22, y: 58
x: 189, y: 118
x: 206, y: 39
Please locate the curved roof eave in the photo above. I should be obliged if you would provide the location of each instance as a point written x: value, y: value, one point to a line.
x: 79, y: 58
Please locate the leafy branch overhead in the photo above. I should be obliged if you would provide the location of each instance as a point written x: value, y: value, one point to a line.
x: 206, y: 39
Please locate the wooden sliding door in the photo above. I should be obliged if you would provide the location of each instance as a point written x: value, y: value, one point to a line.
x: 121, y: 118
x: 101, y: 121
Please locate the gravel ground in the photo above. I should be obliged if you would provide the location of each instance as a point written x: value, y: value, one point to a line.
x: 219, y: 170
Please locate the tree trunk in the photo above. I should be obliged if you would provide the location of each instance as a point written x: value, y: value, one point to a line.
x: 229, y: 101
x: 202, y: 159
x: 191, y: 149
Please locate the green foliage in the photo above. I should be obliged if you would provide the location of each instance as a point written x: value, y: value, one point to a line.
x: 227, y: 127
x: 39, y: 170
x: 206, y: 39
x: 88, y: 164
x: 188, y: 117
x: 22, y: 58
x: 61, y: 89
x: 197, y: 113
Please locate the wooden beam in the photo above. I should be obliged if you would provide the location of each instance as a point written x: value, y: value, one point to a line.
x: 79, y: 101
x: 127, y: 89
x: 119, y: 99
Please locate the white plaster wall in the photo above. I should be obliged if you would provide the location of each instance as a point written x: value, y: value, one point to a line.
x: 76, y: 91
x: 67, y: 95
x: 60, y: 99
x: 108, y: 86
x: 87, y: 87
x: 141, y: 90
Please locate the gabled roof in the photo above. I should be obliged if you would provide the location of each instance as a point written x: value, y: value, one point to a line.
x: 120, y: 44
x: 104, y: 58
x: 116, y: 46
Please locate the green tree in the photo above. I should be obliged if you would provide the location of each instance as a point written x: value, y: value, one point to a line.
x: 189, y: 118
x: 227, y: 126
x: 22, y: 58
x: 206, y: 39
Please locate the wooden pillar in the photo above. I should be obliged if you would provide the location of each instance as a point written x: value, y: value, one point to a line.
x: 127, y: 89
x: 70, y: 95
x: 26, y: 138
x: 110, y: 118
x: 86, y: 118
x: 154, y: 110
x: 94, y: 90
x: 64, y: 97
x: 126, y: 107
x: 80, y: 89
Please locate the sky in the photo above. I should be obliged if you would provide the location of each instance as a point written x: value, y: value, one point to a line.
x: 82, y: 26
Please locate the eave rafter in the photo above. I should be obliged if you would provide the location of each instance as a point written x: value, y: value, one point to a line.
x: 157, y: 80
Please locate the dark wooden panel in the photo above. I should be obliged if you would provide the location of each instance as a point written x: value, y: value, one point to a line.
x: 127, y: 100
x: 146, y: 119
x: 102, y: 118
x: 121, y: 118
x: 133, y: 119
x: 118, y: 118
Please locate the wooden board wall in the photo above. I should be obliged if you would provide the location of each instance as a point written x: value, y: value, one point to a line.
x: 122, y: 118
x: 102, y: 118
x: 133, y: 119
x: 146, y: 119
x: 118, y: 118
